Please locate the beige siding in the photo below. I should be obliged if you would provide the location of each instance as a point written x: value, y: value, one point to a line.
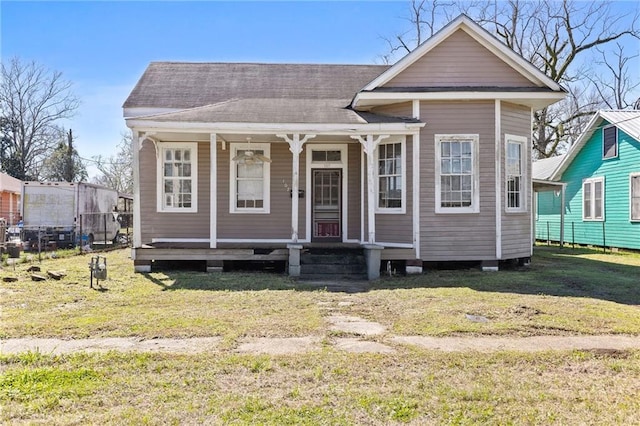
x: 172, y: 225
x: 354, y: 194
x: 276, y: 224
x: 459, y: 61
x: 398, y: 228
x: 404, y: 109
x: 470, y: 236
x: 516, y: 227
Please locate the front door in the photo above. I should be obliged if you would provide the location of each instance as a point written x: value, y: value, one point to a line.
x: 325, y: 205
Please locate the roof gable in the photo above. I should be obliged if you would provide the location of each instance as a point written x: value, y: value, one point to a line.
x: 628, y: 121
x: 463, y: 23
x: 459, y: 60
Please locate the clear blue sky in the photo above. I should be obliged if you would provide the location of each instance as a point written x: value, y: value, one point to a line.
x: 104, y: 46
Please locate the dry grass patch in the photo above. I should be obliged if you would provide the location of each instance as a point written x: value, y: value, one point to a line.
x: 565, y: 292
x: 323, y: 387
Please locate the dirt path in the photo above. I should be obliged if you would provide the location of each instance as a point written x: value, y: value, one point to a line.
x: 359, y: 334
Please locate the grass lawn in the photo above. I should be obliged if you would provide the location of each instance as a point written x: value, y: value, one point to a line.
x: 564, y: 292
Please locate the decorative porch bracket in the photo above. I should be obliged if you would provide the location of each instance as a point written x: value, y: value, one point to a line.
x: 295, y: 146
x: 369, y: 146
x: 148, y: 135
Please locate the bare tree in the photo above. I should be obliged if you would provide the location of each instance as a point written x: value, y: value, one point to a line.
x: 615, y: 88
x: 116, y: 172
x: 32, y: 100
x: 424, y: 20
x: 558, y: 37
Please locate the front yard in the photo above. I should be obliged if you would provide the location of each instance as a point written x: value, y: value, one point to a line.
x: 564, y: 293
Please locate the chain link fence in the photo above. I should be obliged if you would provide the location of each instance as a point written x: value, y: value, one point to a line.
x: 94, y: 231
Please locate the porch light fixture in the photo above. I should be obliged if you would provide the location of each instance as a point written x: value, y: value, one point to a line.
x: 249, y: 156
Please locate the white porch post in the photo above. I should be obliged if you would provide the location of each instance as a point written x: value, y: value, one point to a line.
x: 136, y: 145
x: 369, y: 145
x: 295, y: 146
x: 213, y: 188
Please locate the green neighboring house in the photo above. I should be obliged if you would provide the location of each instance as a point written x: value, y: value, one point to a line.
x: 599, y: 187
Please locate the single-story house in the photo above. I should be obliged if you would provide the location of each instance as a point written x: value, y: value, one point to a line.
x: 10, y: 190
x: 598, y: 202
x: 427, y: 160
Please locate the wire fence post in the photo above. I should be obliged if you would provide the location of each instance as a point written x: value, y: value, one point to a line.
x: 548, y: 236
x: 573, y: 235
x: 105, y: 231
x: 604, y: 240
x: 81, y: 234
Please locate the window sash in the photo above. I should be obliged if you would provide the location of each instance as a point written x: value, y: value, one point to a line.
x: 390, y: 176
x: 177, y: 176
x: 249, y: 180
x: 634, y: 191
x: 456, y: 173
x: 593, y: 199
x: 514, y: 172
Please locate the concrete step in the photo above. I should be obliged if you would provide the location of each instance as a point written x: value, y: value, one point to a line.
x: 333, y: 265
x: 326, y: 268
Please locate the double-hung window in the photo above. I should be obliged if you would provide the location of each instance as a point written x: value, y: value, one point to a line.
x: 457, y: 177
x: 634, y: 192
x: 177, y: 177
x: 249, y: 178
x: 609, y: 142
x: 515, y: 173
x: 391, y: 177
x: 593, y: 199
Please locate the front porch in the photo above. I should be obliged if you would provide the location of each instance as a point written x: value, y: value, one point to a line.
x: 291, y: 254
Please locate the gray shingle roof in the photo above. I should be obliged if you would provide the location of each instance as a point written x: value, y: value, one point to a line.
x: 276, y: 111
x: 183, y: 85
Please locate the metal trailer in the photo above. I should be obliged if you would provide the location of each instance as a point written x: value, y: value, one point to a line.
x: 63, y: 214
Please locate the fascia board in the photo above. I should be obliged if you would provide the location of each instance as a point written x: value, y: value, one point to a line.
x: 259, y: 128
x: 382, y: 98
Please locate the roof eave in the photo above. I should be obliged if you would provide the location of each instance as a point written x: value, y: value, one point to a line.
x: 145, y: 125
x: 536, y: 100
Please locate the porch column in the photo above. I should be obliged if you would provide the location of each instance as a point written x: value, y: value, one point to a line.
x: 136, y: 146
x: 563, y: 190
x: 213, y: 188
x: 295, y: 146
x: 369, y: 145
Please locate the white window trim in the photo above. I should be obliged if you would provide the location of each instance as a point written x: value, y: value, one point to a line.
x: 631, y: 176
x: 160, y: 207
x: 403, y: 159
x: 523, y: 173
x: 592, y: 181
x: 475, y: 181
x: 616, y: 144
x: 266, y: 181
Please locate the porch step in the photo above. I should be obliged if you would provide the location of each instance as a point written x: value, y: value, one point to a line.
x: 333, y: 265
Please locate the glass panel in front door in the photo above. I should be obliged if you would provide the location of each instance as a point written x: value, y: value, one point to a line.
x: 326, y: 204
